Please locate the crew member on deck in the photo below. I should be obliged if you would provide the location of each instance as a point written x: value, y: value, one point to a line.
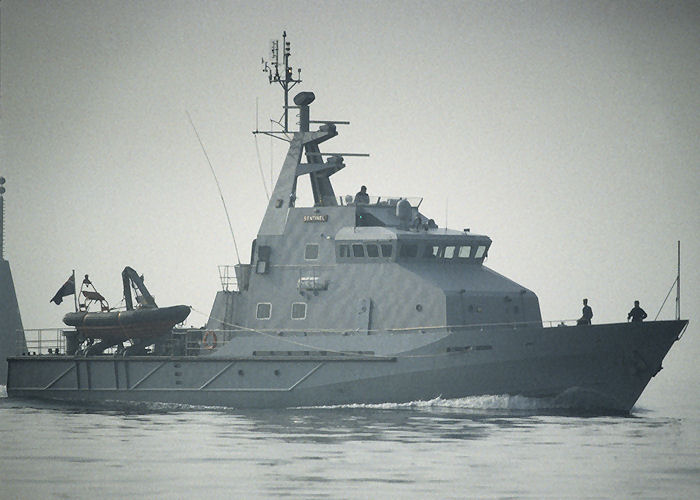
x: 637, y: 314
x: 586, y: 314
x: 362, y: 197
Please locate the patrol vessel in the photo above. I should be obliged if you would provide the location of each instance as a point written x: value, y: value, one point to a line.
x: 356, y: 300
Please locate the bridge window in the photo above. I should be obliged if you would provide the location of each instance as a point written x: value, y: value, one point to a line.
x: 299, y: 310
x: 431, y: 251
x: 362, y: 252
x: 372, y: 251
x: 449, y: 252
x: 264, y: 310
x: 480, y: 252
x: 358, y: 250
x: 408, y: 250
x: 464, y: 252
x: 311, y: 251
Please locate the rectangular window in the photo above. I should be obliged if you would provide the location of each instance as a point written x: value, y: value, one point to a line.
x: 431, y: 251
x: 449, y: 252
x: 480, y: 251
x: 344, y: 251
x: 464, y: 252
x: 264, y: 310
x: 372, y: 251
x: 386, y: 250
x: 408, y: 250
x: 358, y: 250
x: 298, y: 310
x: 311, y: 251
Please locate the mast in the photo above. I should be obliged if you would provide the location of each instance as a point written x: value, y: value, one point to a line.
x: 678, y: 284
x: 286, y: 79
x: 2, y: 219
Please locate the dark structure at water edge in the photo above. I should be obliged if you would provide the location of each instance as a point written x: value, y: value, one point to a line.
x: 11, y: 331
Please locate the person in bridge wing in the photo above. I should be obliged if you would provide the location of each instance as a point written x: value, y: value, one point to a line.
x: 586, y: 314
x: 637, y: 314
x: 362, y: 197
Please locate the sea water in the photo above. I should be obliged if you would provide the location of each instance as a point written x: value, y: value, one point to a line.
x: 481, y: 447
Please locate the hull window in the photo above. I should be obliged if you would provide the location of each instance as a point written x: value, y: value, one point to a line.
x: 264, y: 310
x: 311, y: 252
x: 299, y: 310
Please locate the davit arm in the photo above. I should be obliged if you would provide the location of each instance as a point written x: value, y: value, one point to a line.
x: 129, y: 275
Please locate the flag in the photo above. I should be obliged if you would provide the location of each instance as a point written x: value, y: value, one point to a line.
x: 68, y: 288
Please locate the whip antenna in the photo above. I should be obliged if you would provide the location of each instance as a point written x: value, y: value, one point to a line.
x: 218, y: 186
x: 257, y: 150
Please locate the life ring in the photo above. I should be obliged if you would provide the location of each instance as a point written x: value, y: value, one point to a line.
x: 209, y: 340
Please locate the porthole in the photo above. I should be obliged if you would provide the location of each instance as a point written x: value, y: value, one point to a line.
x: 419, y: 307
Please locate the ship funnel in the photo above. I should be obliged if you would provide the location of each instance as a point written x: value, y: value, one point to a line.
x: 303, y: 99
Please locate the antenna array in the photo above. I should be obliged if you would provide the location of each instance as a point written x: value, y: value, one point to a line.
x: 285, y: 78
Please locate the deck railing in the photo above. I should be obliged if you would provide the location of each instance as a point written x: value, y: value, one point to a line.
x: 51, y: 341
x: 41, y: 341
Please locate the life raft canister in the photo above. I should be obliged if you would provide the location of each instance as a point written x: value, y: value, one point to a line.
x: 209, y: 340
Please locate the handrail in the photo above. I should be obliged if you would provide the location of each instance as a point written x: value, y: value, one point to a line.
x: 41, y: 340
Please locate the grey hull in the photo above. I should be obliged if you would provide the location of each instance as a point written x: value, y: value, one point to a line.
x: 602, y: 366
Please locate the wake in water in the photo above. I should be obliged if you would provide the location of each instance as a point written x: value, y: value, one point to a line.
x: 488, y: 402
x: 572, y: 401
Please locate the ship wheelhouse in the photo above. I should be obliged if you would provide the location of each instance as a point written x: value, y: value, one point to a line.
x: 377, y: 244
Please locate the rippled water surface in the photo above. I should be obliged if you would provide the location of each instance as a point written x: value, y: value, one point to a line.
x: 487, y: 447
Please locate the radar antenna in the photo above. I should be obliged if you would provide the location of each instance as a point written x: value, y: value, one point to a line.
x: 286, y: 79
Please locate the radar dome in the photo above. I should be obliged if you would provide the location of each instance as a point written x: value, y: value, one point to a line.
x: 403, y: 210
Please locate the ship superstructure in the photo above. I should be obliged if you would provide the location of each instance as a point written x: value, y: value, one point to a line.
x: 350, y: 265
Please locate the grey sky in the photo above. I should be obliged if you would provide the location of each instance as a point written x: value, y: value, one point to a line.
x: 566, y: 131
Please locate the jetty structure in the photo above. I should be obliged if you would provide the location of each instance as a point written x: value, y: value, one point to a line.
x: 12, y: 340
x: 356, y: 299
